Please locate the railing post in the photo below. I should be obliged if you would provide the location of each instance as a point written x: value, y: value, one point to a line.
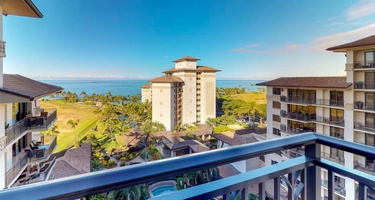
x: 361, y: 191
x: 261, y: 191
x: 331, y: 185
x: 276, y: 188
x: 291, y: 186
x: 245, y: 194
x: 313, y: 176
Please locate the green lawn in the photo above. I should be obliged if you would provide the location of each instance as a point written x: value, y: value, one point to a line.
x: 66, y: 111
x: 260, y: 98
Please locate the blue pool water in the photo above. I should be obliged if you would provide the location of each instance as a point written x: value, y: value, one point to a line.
x: 163, y: 190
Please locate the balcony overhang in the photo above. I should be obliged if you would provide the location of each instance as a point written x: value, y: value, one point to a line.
x: 11, y: 98
x: 24, y: 8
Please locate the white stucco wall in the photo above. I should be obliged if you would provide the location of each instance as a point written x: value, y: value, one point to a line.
x: 162, y: 104
x: 208, y: 96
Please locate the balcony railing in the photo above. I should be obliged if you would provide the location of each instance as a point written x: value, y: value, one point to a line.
x: 337, y: 159
x: 308, y: 167
x: 364, y: 127
x: 339, y: 187
x: 365, y: 168
x: 364, y: 85
x: 364, y: 106
x: 43, y: 152
x: 363, y: 64
x: 313, y: 101
x: 297, y: 116
x: 27, y: 123
x: 331, y: 121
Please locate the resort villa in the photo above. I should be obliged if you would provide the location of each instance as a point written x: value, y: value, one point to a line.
x: 22, y: 151
x: 185, y: 94
x: 341, y: 107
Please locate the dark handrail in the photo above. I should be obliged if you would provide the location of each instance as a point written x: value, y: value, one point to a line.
x: 104, y: 181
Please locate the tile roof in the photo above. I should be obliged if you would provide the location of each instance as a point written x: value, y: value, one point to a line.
x: 367, y: 41
x: 167, y: 79
x: 232, y: 138
x: 25, y: 87
x: 308, y: 82
x: 199, y: 69
x: 147, y: 86
x: 73, y: 162
x: 186, y: 58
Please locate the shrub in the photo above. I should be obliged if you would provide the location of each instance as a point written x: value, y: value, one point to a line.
x: 118, y: 157
x: 111, y: 163
x: 123, y: 159
x: 122, y: 163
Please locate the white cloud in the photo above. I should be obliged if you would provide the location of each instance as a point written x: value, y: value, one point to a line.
x: 287, y: 49
x: 361, y: 9
x: 322, y: 43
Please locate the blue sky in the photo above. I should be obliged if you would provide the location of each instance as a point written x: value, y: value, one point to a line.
x: 139, y: 39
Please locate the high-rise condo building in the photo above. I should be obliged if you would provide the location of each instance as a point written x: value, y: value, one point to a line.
x: 185, y: 94
x: 342, y: 107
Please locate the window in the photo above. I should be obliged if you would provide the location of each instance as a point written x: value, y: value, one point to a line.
x: 276, y: 104
x: 369, y: 120
x: 337, y: 132
x: 276, y: 118
x: 276, y: 131
x: 369, y: 80
x: 369, y: 139
x: 369, y: 101
x: 302, y: 95
x: 337, y: 114
x: 369, y: 58
x: 338, y: 154
x: 276, y: 91
x: 337, y: 98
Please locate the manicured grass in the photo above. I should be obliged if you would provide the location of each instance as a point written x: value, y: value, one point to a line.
x: 260, y: 98
x: 66, y: 111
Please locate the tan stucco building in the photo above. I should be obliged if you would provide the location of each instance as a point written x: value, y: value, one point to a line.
x: 185, y: 94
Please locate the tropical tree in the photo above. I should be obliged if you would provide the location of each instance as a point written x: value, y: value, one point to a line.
x: 73, y: 124
x: 52, y: 131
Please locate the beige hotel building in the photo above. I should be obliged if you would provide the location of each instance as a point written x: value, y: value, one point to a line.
x: 342, y: 107
x: 185, y: 94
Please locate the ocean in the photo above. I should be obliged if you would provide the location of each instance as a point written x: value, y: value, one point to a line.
x: 132, y: 87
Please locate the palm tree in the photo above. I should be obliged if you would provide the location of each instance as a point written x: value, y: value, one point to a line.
x: 73, y: 124
x: 52, y: 131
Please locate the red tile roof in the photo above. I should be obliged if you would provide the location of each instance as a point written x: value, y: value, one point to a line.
x: 186, y: 58
x: 367, y: 41
x: 199, y: 69
x: 25, y: 87
x: 308, y: 82
x: 147, y: 86
x: 167, y: 79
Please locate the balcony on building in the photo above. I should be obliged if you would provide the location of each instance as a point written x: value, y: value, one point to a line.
x: 308, y: 176
x: 364, y: 65
x: 26, y: 157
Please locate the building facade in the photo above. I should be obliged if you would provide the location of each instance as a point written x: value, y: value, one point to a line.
x: 185, y: 94
x: 21, y: 117
x: 342, y: 107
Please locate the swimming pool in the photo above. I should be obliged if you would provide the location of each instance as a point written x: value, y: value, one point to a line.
x: 163, y: 190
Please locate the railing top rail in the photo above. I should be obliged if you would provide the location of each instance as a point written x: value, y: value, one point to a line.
x: 344, y: 145
x: 118, y: 178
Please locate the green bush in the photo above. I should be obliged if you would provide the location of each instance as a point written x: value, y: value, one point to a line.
x: 123, y: 159
x: 118, y: 157
x: 111, y: 163
x: 122, y: 163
